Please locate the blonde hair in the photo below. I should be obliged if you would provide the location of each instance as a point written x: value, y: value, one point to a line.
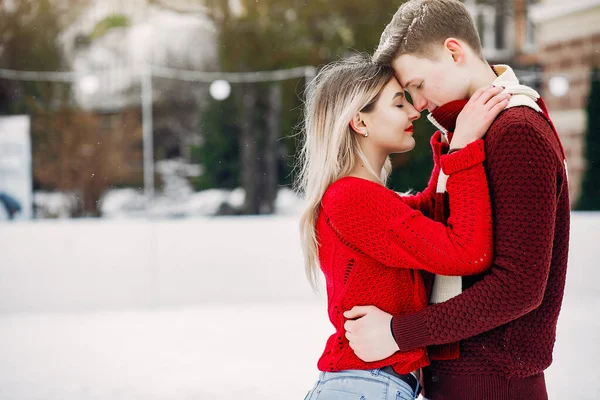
x: 330, y: 148
x: 419, y: 25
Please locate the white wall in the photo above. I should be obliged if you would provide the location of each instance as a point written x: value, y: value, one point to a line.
x: 110, y: 264
x: 559, y: 20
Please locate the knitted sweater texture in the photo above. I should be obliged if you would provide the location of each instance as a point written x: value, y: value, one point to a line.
x: 372, y: 242
x: 506, y: 317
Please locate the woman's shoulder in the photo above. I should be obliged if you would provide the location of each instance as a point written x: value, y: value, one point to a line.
x: 351, y: 189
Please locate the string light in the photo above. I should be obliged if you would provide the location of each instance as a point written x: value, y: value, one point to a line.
x: 235, y: 77
x: 88, y: 83
x: 169, y: 73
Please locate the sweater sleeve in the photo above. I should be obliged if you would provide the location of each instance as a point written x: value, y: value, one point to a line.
x: 523, y: 177
x: 423, y: 201
x: 375, y: 221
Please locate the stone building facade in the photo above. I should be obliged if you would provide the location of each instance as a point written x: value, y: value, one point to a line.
x: 568, y: 46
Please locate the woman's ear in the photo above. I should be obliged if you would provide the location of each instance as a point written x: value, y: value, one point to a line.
x: 358, y: 125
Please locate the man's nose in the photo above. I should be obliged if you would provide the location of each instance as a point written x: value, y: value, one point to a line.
x: 420, y: 104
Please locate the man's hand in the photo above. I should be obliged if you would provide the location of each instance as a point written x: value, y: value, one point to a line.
x: 370, y: 335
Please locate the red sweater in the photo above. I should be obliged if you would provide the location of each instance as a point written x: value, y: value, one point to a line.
x: 371, y: 241
x: 506, y: 317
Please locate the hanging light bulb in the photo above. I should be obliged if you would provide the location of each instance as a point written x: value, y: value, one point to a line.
x: 220, y: 89
x: 558, y: 85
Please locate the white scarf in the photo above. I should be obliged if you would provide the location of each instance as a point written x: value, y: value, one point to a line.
x: 447, y: 287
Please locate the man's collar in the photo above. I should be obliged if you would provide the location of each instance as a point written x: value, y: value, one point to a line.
x: 444, y: 117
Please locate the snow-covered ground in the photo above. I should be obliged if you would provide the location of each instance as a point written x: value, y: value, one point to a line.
x: 221, y: 347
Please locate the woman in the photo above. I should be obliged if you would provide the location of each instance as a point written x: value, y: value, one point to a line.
x: 367, y: 240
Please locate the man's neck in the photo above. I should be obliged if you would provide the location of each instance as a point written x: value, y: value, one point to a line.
x: 483, y: 76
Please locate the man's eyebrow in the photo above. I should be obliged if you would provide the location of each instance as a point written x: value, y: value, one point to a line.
x: 408, y: 82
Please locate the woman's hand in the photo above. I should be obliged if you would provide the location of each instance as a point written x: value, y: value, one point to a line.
x: 477, y: 116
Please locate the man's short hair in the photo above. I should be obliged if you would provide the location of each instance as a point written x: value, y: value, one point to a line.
x: 420, y: 25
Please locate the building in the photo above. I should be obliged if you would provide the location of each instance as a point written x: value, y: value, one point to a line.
x: 113, y: 46
x: 552, y: 45
x: 568, y: 41
x: 88, y: 136
x: 508, y: 35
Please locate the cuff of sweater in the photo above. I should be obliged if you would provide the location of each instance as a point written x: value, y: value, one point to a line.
x: 438, y: 147
x: 471, y: 155
x: 410, y: 331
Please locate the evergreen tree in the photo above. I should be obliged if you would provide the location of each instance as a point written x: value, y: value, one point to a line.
x: 287, y: 33
x: 219, y: 153
x: 29, y: 41
x: 590, y: 191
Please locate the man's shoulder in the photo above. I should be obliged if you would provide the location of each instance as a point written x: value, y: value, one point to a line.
x: 520, y: 115
x: 522, y: 130
x: 518, y: 123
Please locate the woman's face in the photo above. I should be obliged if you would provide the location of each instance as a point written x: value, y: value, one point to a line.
x: 389, y: 124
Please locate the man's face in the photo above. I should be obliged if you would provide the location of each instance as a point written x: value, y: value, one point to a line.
x: 431, y: 82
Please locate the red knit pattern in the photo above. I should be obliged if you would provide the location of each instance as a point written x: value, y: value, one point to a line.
x: 447, y: 114
x: 371, y: 241
x: 506, y: 318
x: 425, y: 201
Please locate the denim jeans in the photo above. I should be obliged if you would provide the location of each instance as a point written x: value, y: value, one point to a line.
x: 371, y: 384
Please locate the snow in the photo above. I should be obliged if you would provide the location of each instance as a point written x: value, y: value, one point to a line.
x: 54, y: 204
x: 182, y: 202
x: 69, y: 331
x: 119, y: 202
x: 88, y: 264
x: 216, y: 351
x: 175, y: 199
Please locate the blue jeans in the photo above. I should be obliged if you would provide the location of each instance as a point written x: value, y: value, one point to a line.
x: 371, y: 384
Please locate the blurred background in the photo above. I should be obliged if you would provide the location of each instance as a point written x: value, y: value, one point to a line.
x: 178, y: 108
x: 148, y: 226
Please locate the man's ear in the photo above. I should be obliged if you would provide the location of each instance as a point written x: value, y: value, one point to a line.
x: 358, y: 125
x: 456, y: 49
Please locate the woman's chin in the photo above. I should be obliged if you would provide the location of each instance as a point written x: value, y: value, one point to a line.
x: 406, y: 146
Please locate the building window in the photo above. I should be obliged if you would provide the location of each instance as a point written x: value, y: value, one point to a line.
x: 494, y: 20
x: 109, y: 122
x: 529, y: 45
x: 501, y: 22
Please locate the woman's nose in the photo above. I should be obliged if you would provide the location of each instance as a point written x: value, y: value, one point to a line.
x: 415, y: 115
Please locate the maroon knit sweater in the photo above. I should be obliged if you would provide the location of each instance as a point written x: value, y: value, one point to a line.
x: 505, y: 319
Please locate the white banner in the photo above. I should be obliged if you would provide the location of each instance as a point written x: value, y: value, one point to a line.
x: 15, y: 166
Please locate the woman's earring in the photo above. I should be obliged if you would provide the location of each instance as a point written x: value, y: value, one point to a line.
x: 366, y: 134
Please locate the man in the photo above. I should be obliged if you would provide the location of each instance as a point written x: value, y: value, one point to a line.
x: 490, y: 336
